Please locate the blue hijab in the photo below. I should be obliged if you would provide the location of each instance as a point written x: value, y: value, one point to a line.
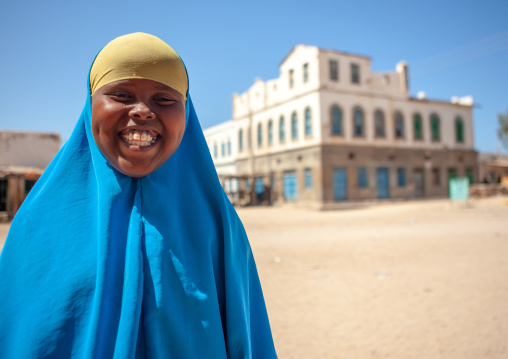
x: 101, y: 265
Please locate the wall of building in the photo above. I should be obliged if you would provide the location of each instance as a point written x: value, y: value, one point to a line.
x: 29, y: 149
x: 447, y: 113
x: 429, y: 162
x: 308, y: 84
x: 23, y: 158
x: 277, y: 165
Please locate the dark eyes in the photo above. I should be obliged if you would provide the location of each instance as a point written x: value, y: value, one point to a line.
x: 120, y: 96
x: 126, y: 97
x: 164, y: 100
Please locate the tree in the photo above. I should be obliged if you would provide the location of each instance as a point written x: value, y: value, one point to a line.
x: 502, y: 131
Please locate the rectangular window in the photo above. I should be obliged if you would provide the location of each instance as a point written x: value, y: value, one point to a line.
x: 222, y: 149
x: 247, y: 184
x: 334, y: 70
x: 308, y: 178
x: 215, y: 153
x: 355, y: 74
x: 305, y: 72
x: 436, y: 177
x: 229, y: 148
x: 362, y: 177
x: 260, y: 135
x: 291, y: 78
x: 401, y: 177
x: 240, y: 141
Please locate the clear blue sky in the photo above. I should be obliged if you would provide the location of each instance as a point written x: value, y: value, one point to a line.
x: 454, y: 48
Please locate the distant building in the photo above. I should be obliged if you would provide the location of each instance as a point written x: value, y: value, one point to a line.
x: 493, y: 167
x: 328, y: 129
x: 23, y: 158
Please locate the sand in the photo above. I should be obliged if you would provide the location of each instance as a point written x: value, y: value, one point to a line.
x: 425, y: 279
x: 402, y: 280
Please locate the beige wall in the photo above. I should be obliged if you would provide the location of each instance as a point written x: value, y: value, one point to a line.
x: 28, y: 149
x: 387, y: 91
x: 352, y: 157
x: 447, y: 113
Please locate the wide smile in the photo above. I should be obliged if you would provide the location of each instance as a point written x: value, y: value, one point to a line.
x: 139, y: 138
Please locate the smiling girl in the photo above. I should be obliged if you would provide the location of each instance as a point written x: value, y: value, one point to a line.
x: 127, y: 247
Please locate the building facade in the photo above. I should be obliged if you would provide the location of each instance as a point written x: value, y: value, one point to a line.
x: 328, y: 130
x: 23, y: 158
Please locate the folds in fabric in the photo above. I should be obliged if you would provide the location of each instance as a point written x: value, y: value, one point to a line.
x: 101, y: 265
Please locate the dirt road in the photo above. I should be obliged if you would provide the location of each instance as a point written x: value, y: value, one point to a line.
x: 407, y: 280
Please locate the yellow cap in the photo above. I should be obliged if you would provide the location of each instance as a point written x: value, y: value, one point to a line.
x: 139, y: 56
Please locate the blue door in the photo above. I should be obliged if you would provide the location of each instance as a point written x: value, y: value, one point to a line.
x: 383, y: 185
x: 290, y: 186
x: 339, y: 184
x: 259, y: 187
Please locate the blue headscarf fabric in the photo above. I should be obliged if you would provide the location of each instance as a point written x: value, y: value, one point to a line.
x: 101, y: 265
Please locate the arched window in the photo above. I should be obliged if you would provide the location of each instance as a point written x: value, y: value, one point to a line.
x: 459, y: 129
x: 294, y: 126
x: 434, y: 127
x: 336, y: 120
x: 282, y: 129
x: 417, y: 127
x: 240, y: 140
x: 270, y: 132
x: 399, y: 125
x: 357, y: 122
x: 379, y: 124
x: 260, y: 135
x: 308, y: 122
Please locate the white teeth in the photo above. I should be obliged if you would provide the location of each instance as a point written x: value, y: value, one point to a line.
x: 139, y: 138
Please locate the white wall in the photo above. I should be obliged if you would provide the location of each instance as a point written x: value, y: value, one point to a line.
x: 28, y: 149
x: 447, y: 113
x: 387, y: 91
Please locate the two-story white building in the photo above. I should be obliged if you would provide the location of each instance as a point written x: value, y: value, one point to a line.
x: 329, y: 129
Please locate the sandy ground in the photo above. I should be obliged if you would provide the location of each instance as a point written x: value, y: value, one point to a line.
x: 397, y: 280
x: 401, y: 280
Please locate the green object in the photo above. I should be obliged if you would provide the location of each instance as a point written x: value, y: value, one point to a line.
x: 459, y: 188
x: 459, y: 130
x: 434, y: 126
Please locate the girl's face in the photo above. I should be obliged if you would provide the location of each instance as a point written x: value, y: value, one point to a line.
x: 137, y: 124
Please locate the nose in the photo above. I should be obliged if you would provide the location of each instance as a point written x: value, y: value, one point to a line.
x: 141, y: 111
